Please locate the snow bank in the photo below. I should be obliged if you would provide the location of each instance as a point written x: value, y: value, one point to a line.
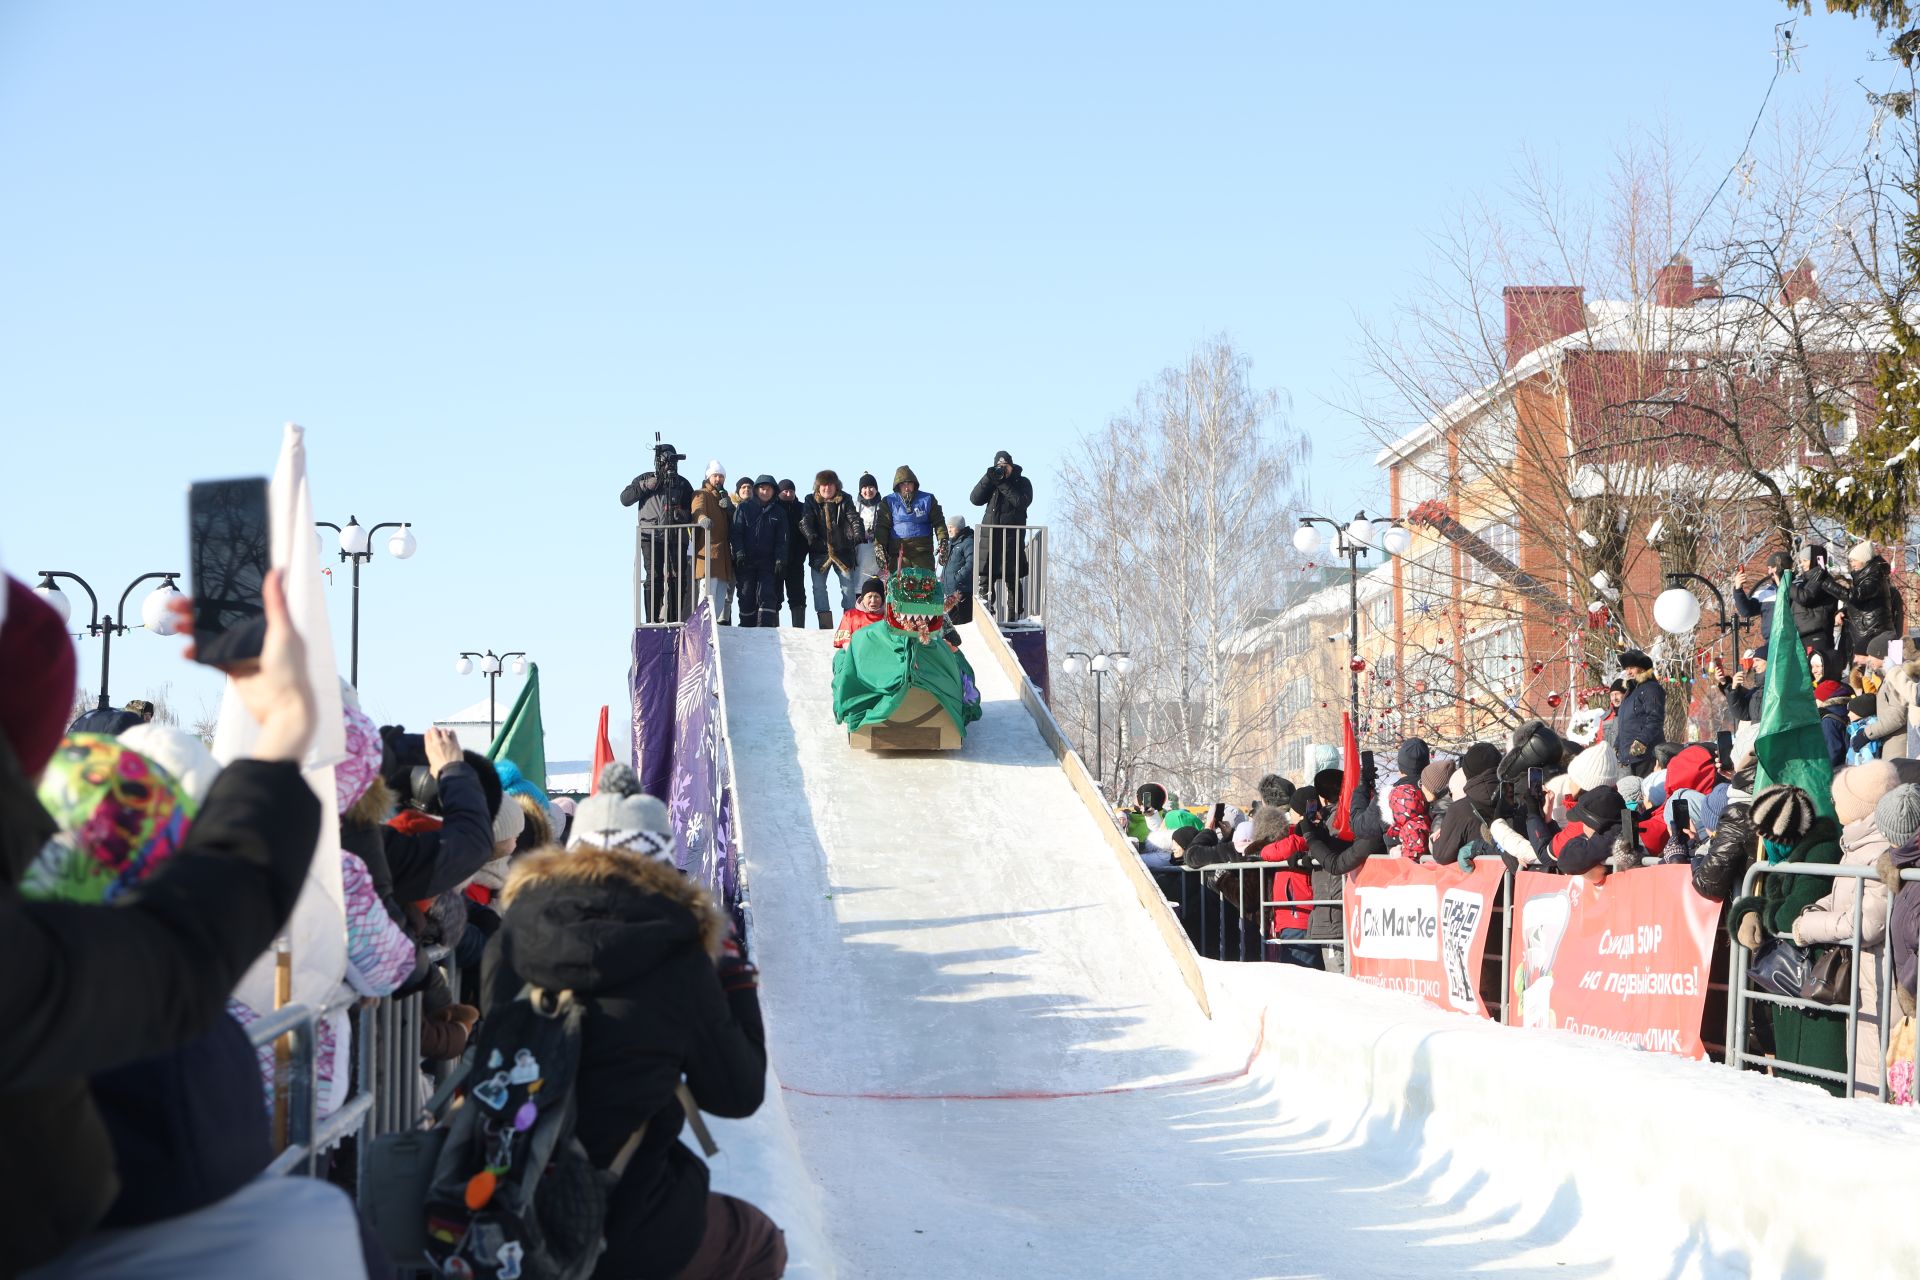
x: 760, y: 1162
x: 1696, y: 1169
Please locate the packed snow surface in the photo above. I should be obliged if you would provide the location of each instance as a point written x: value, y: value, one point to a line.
x: 989, y: 1066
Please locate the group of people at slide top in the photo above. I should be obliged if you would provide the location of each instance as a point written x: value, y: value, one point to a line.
x: 761, y: 541
x: 140, y: 882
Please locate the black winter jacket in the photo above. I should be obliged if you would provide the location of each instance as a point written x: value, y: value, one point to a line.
x: 1642, y: 719
x: 760, y: 536
x: 426, y: 864
x: 1869, y: 602
x: 1816, y: 598
x: 832, y: 526
x: 637, y: 939
x: 87, y: 988
x: 1465, y: 817
x: 1717, y: 872
x: 671, y: 505
x: 1006, y: 498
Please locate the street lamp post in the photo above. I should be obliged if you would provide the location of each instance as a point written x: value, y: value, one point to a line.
x: 1677, y: 610
x: 156, y: 612
x: 490, y: 663
x: 356, y: 544
x: 1352, y: 540
x: 1100, y: 664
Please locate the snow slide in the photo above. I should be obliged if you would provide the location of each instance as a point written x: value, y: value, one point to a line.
x: 987, y: 1062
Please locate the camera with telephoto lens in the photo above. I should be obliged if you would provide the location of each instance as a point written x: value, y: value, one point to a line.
x: 666, y: 463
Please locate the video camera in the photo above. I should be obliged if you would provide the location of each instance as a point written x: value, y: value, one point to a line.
x: 666, y: 461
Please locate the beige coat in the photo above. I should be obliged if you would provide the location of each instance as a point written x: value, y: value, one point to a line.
x: 713, y: 546
x: 1830, y: 921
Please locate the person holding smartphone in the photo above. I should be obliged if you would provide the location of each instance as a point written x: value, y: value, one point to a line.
x: 86, y: 988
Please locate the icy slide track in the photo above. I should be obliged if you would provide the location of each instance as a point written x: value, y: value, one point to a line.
x: 989, y: 1065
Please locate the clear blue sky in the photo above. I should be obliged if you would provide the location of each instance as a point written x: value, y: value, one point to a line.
x: 484, y: 251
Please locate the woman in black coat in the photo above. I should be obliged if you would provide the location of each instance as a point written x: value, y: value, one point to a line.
x: 666, y: 998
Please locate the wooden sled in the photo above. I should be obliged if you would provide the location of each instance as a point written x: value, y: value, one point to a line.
x: 921, y: 724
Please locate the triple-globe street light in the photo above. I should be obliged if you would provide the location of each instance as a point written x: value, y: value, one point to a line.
x: 1352, y: 539
x: 156, y: 612
x: 356, y: 545
x: 1101, y: 664
x: 490, y: 664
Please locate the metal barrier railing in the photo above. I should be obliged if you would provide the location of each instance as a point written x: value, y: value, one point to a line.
x: 1196, y: 913
x: 1743, y: 995
x: 308, y: 1135
x: 663, y: 572
x: 1010, y: 571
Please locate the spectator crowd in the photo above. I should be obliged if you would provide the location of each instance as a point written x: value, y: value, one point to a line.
x: 1628, y: 798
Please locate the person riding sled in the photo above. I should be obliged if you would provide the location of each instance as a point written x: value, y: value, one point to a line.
x: 894, y: 687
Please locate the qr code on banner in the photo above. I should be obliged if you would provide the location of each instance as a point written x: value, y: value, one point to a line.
x: 1460, y: 912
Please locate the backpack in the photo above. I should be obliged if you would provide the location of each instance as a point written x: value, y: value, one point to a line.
x: 513, y: 1195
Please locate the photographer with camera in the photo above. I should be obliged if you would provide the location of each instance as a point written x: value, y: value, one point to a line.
x: 1006, y: 494
x: 661, y: 551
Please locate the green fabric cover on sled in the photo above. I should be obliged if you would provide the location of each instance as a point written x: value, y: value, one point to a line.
x: 872, y: 674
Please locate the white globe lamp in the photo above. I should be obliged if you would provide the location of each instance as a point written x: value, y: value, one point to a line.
x: 1073, y: 664
x: 402, y: 544
x: 353, y: 539
x: 1306, y: 540
x: 489, y: 666
x: 1676, y: 610
x: 1360, y: 532
x: 1123, y: 664
x: 463, y: 666
x: 56, y: 599
x: 519, y: 666
x: 1396, y: 540
x: 157, y: 609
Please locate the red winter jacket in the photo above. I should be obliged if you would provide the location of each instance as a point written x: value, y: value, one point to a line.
x: 1289, y: 885
x: 1411, y: 824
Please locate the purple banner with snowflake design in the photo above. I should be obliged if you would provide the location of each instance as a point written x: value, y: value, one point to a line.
x: 699, y: 799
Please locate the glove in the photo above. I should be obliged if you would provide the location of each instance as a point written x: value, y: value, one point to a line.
x: 737, y: 973
x: 1743, y: 922
x: 1637, y: 750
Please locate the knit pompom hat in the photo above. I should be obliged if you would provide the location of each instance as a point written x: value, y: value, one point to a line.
x: 509, y: 820
x: 1594, y: 767
x: 1898, y: 815
x: 1858, y: 789
x: 621, y: 817
x: 1783, y: 814
x: 715, y: 469
x: 184, y: 757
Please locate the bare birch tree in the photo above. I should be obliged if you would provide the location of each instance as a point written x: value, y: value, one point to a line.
x: 1173, y: 541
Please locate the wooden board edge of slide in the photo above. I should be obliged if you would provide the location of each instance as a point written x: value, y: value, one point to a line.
x: 1178, y: 945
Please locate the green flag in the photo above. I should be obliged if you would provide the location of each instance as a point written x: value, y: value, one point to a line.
x: 1791, y: 749
x: 522, y: 738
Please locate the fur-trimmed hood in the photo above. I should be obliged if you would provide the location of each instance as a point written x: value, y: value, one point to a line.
x: 608, y: 898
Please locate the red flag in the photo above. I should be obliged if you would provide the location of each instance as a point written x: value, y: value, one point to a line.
x: 1349, y: 778
x: 602, y: 753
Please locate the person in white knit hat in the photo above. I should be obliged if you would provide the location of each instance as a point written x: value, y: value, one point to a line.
x: 621, y: 818
x: 712, y: 512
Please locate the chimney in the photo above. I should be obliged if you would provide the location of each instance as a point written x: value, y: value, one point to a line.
x: 1673, y: 283
x: 1537, y: 314
x: 1799, y: 284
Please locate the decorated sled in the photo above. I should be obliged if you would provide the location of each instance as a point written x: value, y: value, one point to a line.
x: 898, y: 685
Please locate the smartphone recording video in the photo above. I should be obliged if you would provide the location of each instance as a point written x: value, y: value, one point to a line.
x: 230, y: 549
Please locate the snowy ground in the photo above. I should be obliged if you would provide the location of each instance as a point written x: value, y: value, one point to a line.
x: 989, y: 1066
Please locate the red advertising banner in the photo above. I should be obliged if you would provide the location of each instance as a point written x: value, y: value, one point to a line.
x: 1422, y: 928
x: 1625, y: 960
